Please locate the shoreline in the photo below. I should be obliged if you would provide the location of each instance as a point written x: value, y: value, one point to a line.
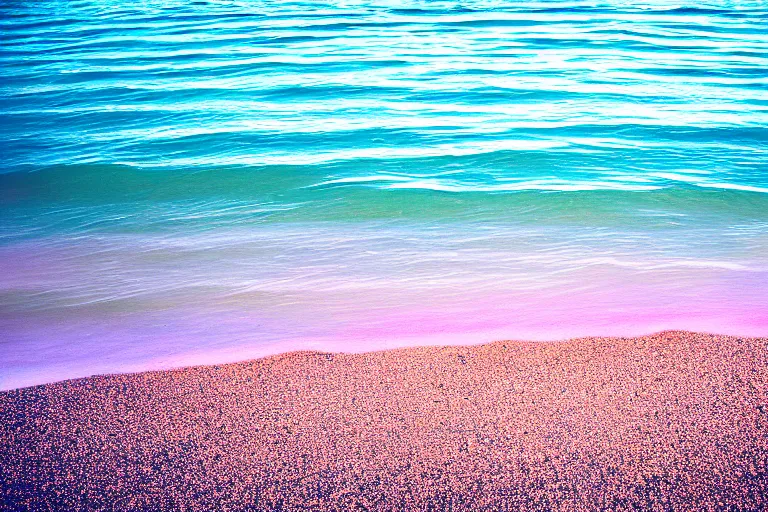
x: 673, y: 420
x: 26, y: 378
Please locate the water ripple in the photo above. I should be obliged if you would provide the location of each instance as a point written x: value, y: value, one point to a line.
x: 259, y: 83
x: 188, y: 179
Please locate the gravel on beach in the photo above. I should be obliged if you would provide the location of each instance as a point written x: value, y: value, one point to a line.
x: 671, y: 421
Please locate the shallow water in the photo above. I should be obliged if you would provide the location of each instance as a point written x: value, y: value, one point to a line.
x: 186, y: 183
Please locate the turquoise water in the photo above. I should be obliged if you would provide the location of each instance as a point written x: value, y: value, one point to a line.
x: 199, y: 182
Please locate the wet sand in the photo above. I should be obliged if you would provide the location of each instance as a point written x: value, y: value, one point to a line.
x: 670, y: 421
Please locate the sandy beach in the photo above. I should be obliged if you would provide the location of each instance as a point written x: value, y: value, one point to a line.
x: 673, y: 421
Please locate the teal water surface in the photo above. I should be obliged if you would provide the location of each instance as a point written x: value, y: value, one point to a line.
x: 195, y: 182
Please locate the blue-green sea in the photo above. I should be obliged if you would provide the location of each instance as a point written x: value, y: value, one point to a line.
x: 210, y: 181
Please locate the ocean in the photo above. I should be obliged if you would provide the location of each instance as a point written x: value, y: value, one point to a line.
x: 205, y: 182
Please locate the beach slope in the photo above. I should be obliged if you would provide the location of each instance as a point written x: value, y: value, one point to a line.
x: 674, y: 420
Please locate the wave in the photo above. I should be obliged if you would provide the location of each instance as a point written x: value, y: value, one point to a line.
x: 467, y: 173
x: 81, y: 202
